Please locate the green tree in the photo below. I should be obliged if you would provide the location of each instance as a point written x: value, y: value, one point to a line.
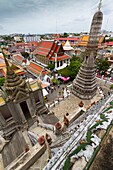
x: 51, y: 66
x: 79, y: 58
x: 25, y: 55
x: 65, y: 35
x: 72, y: 70
x: 111, y: 87
x: 102, y: 65
x: 76, y: 34
x: 2, y: 80
x: 8, y: 38
x: 55, y: 81
x: 110, y: 39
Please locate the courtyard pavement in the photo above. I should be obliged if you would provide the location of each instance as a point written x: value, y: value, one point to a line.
x: 68, y: 105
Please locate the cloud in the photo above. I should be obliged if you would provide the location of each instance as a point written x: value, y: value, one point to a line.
x: 41, y: 16
x: 2, y: 28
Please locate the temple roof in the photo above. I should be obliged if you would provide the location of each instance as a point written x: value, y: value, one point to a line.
x: 49, y: 48
x: 37, y: 69
x: 13, y: 83
x: 59, y: 58
x: 17, y: 69
x: 67, y: 46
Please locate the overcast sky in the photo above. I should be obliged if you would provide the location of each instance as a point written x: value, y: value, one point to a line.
x: 51, y: 16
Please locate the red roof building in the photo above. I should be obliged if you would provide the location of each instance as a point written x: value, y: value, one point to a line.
x: 51, y: 52
x: 110, y: 43
x: 23, y: 44
x: 72, y: 40
x: 32, y: 67
x: 18, y: 58
x: 37, y: 69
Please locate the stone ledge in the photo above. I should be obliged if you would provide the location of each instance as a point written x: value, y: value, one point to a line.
x: 27, y: 159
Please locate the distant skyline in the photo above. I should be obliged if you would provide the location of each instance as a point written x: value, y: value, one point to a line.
x: 51, y: 16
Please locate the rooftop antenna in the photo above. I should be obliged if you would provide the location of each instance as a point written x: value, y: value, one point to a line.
x: 100, y: 5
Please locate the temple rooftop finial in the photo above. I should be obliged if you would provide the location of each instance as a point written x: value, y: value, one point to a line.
x: 6, y: 62
x: 100, y: 5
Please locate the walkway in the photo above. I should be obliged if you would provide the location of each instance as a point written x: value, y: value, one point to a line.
x: 58, y: 159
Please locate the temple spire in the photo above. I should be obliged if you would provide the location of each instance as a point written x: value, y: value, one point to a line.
x: 100, y: 5
x: 85, y: 84
x: 6, y: 62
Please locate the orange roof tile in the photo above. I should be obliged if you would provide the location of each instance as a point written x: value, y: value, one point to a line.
x: 18, y: 69
x: 6, y: 52
x: 37, y: 69
x: 18, y: 58
x: 59, y: 58
x: 43, y: 48
x: 49, y: 48
x: 2, y: 71
x: 35, y: 43
x: 47, y: 44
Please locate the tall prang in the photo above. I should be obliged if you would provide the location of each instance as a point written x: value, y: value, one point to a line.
x: 85, y: 85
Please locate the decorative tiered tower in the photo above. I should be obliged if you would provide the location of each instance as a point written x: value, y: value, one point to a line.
x: 22, y: 103
x: 85, y: 86
x: 15, y: 87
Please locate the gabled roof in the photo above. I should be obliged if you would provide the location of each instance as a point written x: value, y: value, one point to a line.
x: 37, y: 69
x: 44, y: 48
x: 33, y: 43
x: 49, y: 48
x: 18, y: 58
x: 23, y: 44
x: 59, y: 58
x: 17, y: 69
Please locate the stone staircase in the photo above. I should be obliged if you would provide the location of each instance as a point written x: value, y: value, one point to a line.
x: 41, y: 109
x: 10, y: 127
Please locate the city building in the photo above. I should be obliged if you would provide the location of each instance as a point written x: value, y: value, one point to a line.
x: 36, y: 69
x: 23, y: 47
x: 31, y: 38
